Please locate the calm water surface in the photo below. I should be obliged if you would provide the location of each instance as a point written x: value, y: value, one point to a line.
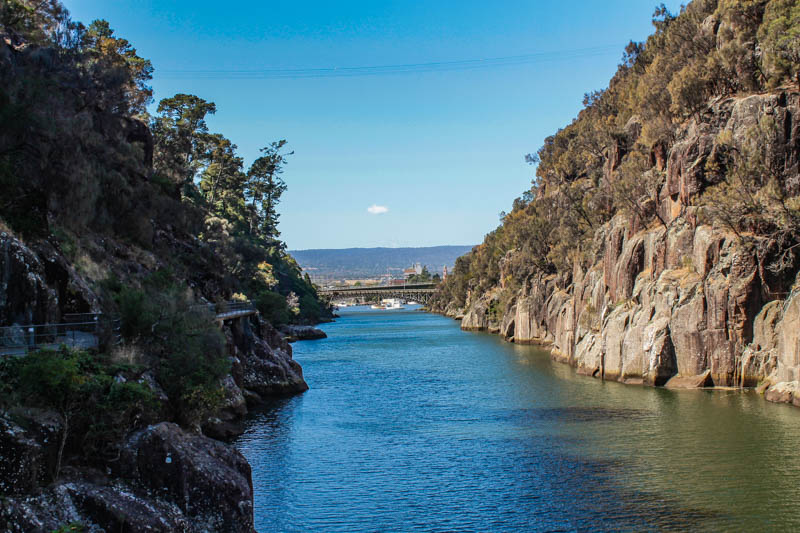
x: 412, y: 424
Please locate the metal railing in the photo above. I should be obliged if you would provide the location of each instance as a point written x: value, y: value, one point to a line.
x: 232, y: 307
x: 87, y: 330
x: 76, y: 331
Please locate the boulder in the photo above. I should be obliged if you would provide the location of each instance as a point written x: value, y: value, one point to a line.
x: 691, y: 382
x: 265, y: 365
x: 659, y: 353
x: 166, y: 480
x: 97, y: 506
x: 784, y: 392
x: 29, y: 441
x: 208, y: 481
x: 228, y: 420
x: 302, y: 333
x: 476, y: 318
x: 22, y: 459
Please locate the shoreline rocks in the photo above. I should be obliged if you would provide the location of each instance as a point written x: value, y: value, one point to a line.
x: 302, y: 333
x: 166, y: 480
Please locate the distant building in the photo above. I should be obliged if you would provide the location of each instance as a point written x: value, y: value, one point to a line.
x: 416, y: 268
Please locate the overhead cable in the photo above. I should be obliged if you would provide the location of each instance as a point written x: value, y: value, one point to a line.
x: 380, y: 70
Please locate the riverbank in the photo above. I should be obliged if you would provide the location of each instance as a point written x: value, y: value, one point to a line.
x: 159, y: 476
x: 643, y: 313
x: 675, y: 299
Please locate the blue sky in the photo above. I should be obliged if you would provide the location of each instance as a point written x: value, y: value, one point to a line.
x: 443, y: 152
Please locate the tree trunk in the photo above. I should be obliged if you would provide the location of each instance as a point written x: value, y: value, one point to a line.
x: 62, y: 444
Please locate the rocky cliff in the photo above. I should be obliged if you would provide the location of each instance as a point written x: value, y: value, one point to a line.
x: 680, y: 304
x: 116, y: 373
x: 165, y: 478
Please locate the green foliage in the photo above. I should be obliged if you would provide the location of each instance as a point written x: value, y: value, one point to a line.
x: 222, y: 181
x: 752, y: 203
x: 265, y: 187
x: 54, y: 378
x: 496, y: 311
x: 272, y: 307
x: 137, y: 313
x: 780, y: 37
x: 110, y: 57
x: 423, y: 277
x: 70, y: 154
x: 180, y: 134
x: 188, y: 348
x: 33, y: 20
x: 66, y: 242
x: 635, y: 188
x: 604, y: 162
x: 310, y: 308
x: 76, y: 158
x: 97, y: 409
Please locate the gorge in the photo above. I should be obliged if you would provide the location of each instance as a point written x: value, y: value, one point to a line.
x: 658, y: 246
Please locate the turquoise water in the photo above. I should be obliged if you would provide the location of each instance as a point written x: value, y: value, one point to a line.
x: 412, y: 424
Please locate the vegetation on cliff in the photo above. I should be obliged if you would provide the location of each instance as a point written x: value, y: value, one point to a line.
x: 82, y: 161
x: 106, y: 208
x: 612, y: 158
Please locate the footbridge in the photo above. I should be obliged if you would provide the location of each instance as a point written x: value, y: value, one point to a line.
x: 421, y: 292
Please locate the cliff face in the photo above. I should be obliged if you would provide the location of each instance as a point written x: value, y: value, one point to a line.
x: 108, y: 217
x: 680, y: 304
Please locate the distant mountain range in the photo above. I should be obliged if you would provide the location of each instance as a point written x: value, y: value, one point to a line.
x: 358, y: 263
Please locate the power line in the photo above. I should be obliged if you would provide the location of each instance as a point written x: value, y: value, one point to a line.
x: 380, y: 70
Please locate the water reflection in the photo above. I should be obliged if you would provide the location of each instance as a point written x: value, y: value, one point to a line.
x: 412, y: 424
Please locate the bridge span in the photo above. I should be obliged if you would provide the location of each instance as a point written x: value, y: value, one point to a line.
x: 420, y: 292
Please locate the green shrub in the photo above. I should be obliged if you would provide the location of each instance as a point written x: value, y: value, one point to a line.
x: 97, y: 408
x: 310, y: 308
x: 186, y: 347
x: 273, y: 307
x: 137, y: 313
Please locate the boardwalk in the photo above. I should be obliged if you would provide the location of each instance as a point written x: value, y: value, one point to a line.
x: 84, y: 331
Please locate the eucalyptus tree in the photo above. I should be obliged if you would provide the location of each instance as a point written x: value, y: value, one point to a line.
x: 264, y: 189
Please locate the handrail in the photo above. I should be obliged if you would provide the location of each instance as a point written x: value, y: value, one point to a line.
x: 18, y: 339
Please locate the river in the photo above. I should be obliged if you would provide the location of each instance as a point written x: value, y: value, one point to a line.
x: 413, y: 424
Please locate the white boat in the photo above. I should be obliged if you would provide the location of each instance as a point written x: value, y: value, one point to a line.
x: 413, y: 303
x: 378, y: 306
x: 393, y: 304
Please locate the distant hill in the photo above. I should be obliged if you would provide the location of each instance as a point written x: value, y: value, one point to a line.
x: 373, y: 262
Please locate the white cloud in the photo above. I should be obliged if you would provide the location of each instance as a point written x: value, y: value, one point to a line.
x: 377, y: 209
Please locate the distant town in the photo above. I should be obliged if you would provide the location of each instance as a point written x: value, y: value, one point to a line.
x: 416, y: 273
x: 378, y: 266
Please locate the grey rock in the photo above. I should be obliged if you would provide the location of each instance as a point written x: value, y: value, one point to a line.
x: 302, y: 333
